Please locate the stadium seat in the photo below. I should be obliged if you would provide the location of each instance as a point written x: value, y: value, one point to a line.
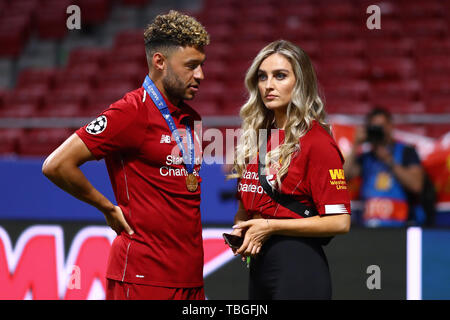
x: 94, y: 11
x: 51, y: 19
x: 19, y: 110
x: 432, y: 47
x: 86, y: 55
x: 412, y: 10
x: 349, y: 89
x: 342, y: 105
x: 341, y: 49
x: 129, y: 37
x: 210, y: 90
x: 206, y: 107
x: 399, y: 105
x: 41, y: 142
x: 403, y: 47
x: 431, y: 27
x: 9, y: 140
x: 329, y: 70
x: 407, y: 89
x: 13, y: 42
x: 438, y: 104
x: 437, y: 130
x: 334, y: 29
x: 29, y: 95
x: 300, y: 10
x: 436, y: 65
x: 30, y: 77
x: 82, y: 73
x: 136, y: 2
x: 392, y: 68
x: 62, y: 109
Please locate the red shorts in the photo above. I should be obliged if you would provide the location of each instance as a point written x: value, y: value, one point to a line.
x: 118, y: 290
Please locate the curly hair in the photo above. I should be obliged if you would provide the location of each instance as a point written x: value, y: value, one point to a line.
x: 174, y: 29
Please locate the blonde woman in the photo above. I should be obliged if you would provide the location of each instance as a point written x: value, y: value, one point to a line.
x: 301, y: 163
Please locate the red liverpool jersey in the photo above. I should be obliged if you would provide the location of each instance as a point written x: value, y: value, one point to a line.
x: 315, y: 178
x: 148, y: 177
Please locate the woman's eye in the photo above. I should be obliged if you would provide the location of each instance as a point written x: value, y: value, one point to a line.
x: 280, y: 76
x: 262, y: 77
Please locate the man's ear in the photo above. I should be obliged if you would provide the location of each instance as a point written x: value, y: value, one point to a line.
x: 159, y: 61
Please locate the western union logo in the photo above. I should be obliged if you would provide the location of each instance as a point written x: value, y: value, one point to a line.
x: 337, y: 174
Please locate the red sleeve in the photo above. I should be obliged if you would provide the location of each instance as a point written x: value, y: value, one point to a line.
x: 118, y: 128
x: 326, y: 179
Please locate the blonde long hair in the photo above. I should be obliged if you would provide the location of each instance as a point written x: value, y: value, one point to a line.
x: 304, y: 107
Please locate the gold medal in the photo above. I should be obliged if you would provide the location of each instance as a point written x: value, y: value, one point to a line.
x: 191, y: 182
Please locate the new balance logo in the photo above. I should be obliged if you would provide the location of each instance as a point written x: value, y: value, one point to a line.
x: 165, y: 139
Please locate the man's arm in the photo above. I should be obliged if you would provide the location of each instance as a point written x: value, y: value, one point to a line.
x: 62, y: 168
x: 411, y: 176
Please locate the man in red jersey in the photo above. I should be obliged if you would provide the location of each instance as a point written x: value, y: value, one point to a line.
x: 153, y: 158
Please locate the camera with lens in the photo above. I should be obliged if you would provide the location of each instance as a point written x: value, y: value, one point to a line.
x: 375, y: 134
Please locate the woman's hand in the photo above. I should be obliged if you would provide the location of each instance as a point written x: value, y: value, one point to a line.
x: 257, y: 231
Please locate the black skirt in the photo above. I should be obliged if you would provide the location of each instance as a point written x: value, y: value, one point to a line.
x: 290, y: 268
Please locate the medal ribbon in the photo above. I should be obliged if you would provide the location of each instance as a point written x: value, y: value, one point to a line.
x: 158, y: 100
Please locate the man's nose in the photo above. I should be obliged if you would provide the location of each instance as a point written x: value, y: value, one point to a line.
x: 198, y: 73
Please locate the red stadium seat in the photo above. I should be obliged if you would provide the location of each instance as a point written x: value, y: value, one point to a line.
x: 210, y: 90
x: 330, y: 70
x: 344, y: 10
x: 63, y: 109
x: 346, y: 106
x: 217, y: 52
x: 128, y: 72
x: 41, y: 142
x: 392, y: 68
x: 136, y: 2
x: 94, y: 11
x: 421, y: 9
x: 333, y: 29
x: 86, y: 55
x: 399, y: 105
x: 432, y: 47
x: 349, y: 89
x: 29, y: 95
x: 437, y: 130
x: 19, y: 110
x: 438, y: 104
x: 126, y: 54
x: 434, y: 65
x: 12, y: 43
x: 437, y: 86
x: 9, y: 140
x: 296, y: 29
x: 82, y: 73
x: 30, y: 77
x: 341, y: 49
x: 301, y: 10
x: 129, y: 37
x: 431, y: 27
x: 390, y: 47
x: 51, y: 19
x: 407, y: 90
x: 205, y: 107
x: 255, y: 31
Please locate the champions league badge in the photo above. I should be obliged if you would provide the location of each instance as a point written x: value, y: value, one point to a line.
x: 97, y: 126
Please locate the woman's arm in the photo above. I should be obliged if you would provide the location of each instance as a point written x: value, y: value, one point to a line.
x: 259, y: 230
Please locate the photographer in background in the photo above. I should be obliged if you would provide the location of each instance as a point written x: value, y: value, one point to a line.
x: 392, y: 177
